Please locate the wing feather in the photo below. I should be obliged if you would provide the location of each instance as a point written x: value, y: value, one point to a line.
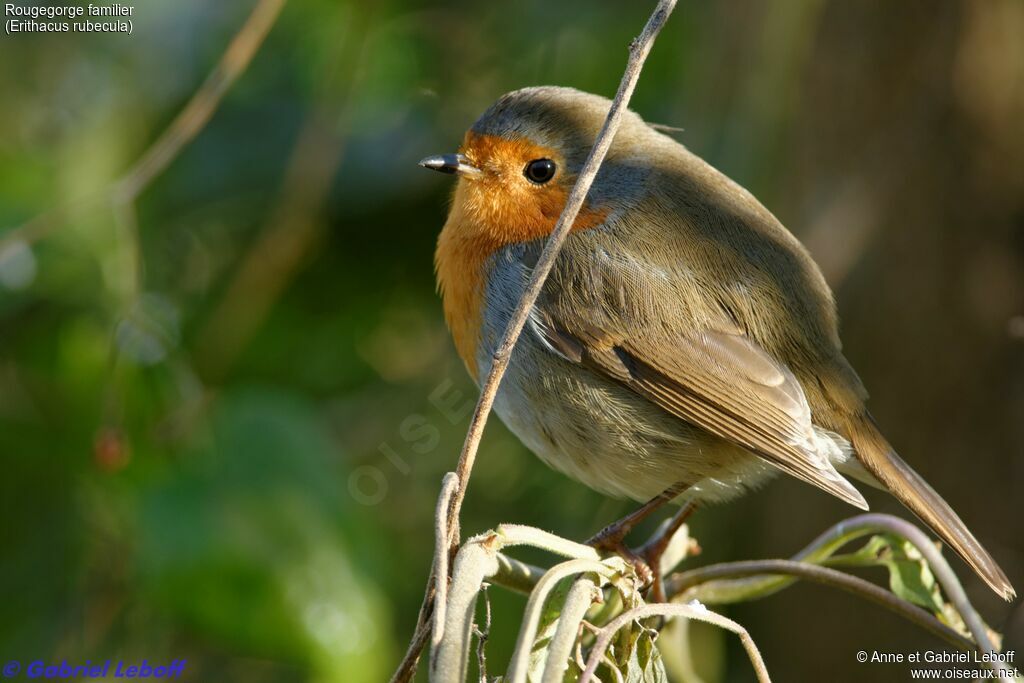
x: 722, y: 382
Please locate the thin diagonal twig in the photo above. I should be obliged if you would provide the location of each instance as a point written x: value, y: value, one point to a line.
x: 407, y: 667
x: 638, y: 51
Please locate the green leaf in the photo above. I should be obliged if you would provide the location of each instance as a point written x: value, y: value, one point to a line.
x: 910, y: 577
x: 644, y: 664
x: 635, y: 657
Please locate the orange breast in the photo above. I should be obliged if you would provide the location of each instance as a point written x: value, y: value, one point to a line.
x: 487, y: 214
x: 461, y: 256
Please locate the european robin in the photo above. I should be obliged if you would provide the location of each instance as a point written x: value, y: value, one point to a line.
x: 684, y: 336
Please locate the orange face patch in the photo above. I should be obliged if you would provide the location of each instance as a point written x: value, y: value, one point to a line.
x: 502, y: 204
x: 498, y: 208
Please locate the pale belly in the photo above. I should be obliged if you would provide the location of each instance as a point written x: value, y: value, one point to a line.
x: 596, y: 431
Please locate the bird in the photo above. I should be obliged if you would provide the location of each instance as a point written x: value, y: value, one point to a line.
x: 684, y: 340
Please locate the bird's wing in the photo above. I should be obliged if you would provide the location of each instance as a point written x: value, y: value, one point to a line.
x: 715, y: 377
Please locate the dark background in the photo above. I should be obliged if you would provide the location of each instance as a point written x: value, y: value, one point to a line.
x: 216, y: 430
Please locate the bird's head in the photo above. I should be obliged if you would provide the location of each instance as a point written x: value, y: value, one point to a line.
x: 521, y: 158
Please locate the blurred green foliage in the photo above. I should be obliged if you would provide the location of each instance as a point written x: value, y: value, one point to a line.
x: 224, y: 414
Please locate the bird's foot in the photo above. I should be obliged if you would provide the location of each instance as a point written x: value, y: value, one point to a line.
x: 612, y: 539
x: 612, y: 543
x: 657, y: 544
x: 612, y: 536
x: 646, y: 560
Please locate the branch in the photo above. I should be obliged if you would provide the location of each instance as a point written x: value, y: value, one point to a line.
x: 944, y: 574
x: 478, y: 560
x: 475, y: 563
x: 510, y: 535
x: 410, y: 662
x: 687, y: 582
x: 407, y: 667
x: 822, y: 548
x: 482, y: 635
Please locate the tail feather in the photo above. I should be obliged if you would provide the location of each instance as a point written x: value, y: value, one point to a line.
x: 879, y: 458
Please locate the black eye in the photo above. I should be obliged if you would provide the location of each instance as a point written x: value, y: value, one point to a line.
x: 540, y: 171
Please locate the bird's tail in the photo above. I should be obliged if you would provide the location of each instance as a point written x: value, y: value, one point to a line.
x: 879, y: 458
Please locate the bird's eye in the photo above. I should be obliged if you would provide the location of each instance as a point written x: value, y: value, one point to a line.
x: 540, y: 171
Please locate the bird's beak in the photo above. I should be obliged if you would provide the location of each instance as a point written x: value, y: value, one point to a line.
x: 451, y: 163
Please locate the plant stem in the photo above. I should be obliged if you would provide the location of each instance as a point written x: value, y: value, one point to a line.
x: 688, y: 583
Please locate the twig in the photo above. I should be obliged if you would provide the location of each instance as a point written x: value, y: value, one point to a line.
x: 480, y: 559
x: 182, y: 130
x: 818, y: 551
x: 482, y: 635
x: 691, y: 611
x: 826, y: 544
x: 407, y: 668
x: 638, y: 51
x: 687, y: 583
x: 944, y: 574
